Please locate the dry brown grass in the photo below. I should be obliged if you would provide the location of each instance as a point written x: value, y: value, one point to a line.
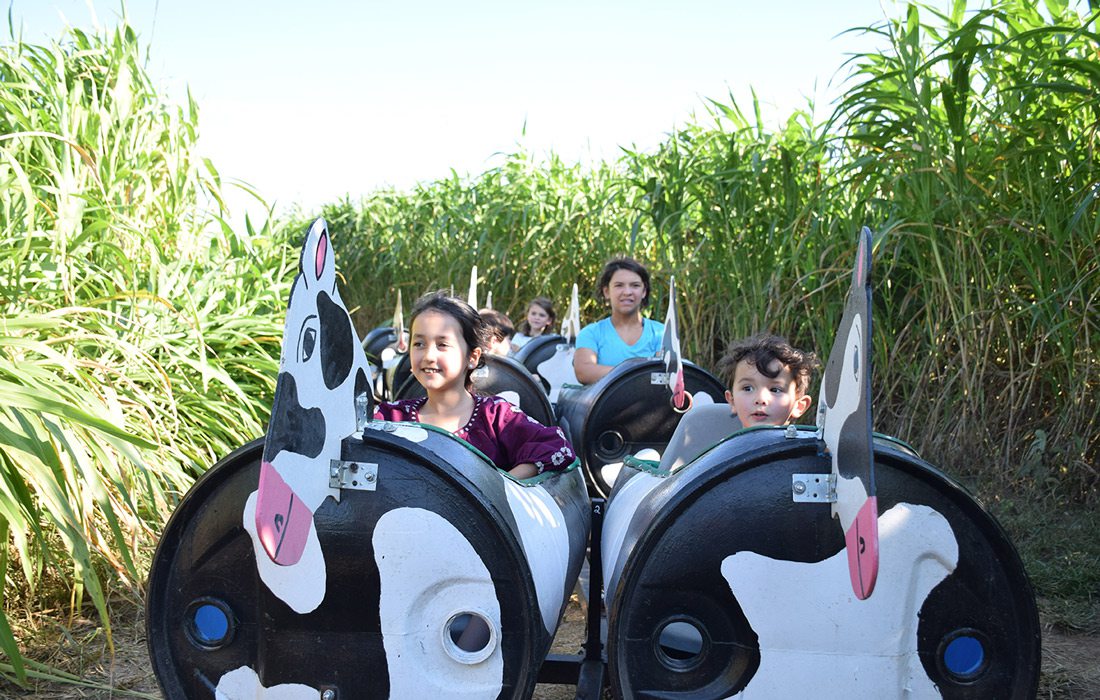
x: 1070, y: 665
x: 79, y: 647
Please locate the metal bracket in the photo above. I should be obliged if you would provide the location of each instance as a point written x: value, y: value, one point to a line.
x: 354, y: 476
x: 659, y: 378
x: 813, y: 488
x: 362, y: 411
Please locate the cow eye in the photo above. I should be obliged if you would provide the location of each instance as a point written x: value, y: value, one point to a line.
x: 309, y: 343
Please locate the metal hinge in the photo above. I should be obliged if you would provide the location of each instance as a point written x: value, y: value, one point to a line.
x: 813, y: 488
x: 659, y: 378
x: 355, y: 476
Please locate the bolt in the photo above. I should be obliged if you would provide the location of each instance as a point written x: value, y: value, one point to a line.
x: 370, y: 477
x: 354, y: 467
x: 329, y: 694
x: 799, y: 487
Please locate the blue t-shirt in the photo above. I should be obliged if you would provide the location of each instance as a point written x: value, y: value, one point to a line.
x: 602, y: 338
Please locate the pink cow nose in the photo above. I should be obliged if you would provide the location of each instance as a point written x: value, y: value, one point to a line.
x: 282, y: 520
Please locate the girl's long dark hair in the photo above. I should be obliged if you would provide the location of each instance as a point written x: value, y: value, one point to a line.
x: 469, y: 320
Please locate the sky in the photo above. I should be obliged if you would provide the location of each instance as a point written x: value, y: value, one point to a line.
x: 313, y: 101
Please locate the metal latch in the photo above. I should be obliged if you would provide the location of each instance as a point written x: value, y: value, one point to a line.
x: 355, y: 476
x: 659, y: 378
x: 813, y: 488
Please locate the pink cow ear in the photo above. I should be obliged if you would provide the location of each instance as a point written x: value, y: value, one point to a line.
x: 322, y: 252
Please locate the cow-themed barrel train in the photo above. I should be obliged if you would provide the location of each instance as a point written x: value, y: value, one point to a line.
x: 342, y: 557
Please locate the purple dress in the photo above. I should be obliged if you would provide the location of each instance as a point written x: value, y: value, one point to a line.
x: 505, y: 434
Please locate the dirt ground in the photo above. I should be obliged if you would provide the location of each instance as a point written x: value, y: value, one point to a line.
x: 1070, y: 667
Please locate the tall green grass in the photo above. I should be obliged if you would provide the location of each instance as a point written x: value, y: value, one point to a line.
x: 967, y: 145
x: 139, y: 334
x: 974, y: 141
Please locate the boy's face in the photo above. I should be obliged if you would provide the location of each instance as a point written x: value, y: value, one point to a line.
x: 499, y: 346
x: 757, y: 399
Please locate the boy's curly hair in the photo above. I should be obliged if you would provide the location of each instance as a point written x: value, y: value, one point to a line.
x: 760, y: 350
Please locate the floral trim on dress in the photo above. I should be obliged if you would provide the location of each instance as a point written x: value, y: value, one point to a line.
x: 412, y: 410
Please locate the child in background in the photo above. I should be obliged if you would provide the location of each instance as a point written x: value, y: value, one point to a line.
x: 447, y: 338
x: 500, y: 330
x: 768, y: 380
x: 540, y: 317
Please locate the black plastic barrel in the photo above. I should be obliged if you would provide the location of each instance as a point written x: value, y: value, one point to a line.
x: 538, y: 350
x: 501, y: 376
x: 396, y: 376
x: 376, y: 342
x: 718, y: 582
x: 626, y: 411
x: 397, y: 610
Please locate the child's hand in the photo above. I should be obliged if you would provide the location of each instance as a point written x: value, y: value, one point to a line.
x: 524, y: 471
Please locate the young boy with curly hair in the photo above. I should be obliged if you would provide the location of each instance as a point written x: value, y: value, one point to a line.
x: 768, y: 380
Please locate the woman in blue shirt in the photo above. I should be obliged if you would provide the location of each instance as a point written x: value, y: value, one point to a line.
x: 624, y: 286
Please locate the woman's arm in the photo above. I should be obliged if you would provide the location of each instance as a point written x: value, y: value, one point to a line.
x: 587, y: 369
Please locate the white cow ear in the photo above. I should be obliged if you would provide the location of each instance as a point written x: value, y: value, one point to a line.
x: 317, y: 263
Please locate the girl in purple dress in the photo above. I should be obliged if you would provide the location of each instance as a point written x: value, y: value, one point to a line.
x: 447, y: 337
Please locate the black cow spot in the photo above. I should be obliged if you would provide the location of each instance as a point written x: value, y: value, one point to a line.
x: 337, y: 344
x: 293, y: 428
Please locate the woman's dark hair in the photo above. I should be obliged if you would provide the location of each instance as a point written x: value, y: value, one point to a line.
x: 469, y: 320
x: 760, y: 351
x: 544, y: 303
x: 622, y: 263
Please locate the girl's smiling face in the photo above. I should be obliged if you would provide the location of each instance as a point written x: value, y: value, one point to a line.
x: 625, y: 292
x: 537, y: 319
x: 438, y: 354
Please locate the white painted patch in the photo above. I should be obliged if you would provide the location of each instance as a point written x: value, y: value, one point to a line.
x: 610, y: 472
x: 558, y: 370
x: 511, y: 397
x: 301, y: 586
x: 244, y: 684
x: 617, y: 519
x: 545, y: 542
x: 309, y: 476
x: 817, y: 640
x: 429, y: 573
x: 406, y: 431
x: 701, y: 398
